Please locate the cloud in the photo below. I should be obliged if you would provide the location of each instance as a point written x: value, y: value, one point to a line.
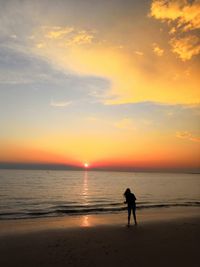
x: 183, y: 17
x: 185, y: 14
x: 188, y: 136
x: 157, y: 50
x: 127, y: 80
x: 139, y: 53
x: 21, y: 67
x: 65, y: 36
x: 186, y: 47
x: 82, y: 37
x: 128, y: 76
x: 61, y: 104
x: 58, y: 32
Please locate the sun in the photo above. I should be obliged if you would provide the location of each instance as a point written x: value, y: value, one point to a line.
x: 86, y: 165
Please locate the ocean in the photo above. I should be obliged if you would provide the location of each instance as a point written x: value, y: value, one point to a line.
x: 40, y: 193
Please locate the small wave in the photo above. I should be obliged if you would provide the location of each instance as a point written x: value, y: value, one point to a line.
x: 89, y: 209
x: 168, y: 205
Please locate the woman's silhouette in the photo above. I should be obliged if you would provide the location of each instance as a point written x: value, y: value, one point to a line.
x: 131, y: 205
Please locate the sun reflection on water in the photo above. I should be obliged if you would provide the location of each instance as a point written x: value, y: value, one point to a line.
x: 85, y: 221
x: 85, y: 188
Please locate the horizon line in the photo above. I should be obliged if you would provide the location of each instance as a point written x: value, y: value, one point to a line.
x: 62, y: 167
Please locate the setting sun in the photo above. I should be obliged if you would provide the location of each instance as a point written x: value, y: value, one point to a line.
x: 86, y: 165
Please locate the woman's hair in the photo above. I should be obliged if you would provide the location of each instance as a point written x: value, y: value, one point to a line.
x: 128, y: 191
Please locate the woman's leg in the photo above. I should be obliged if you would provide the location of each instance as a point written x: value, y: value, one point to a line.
x: 134, y: 215
x: 129, y: 215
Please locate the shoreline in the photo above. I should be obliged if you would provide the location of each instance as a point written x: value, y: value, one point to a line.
x: 164, y: 238
x: 144, y: 216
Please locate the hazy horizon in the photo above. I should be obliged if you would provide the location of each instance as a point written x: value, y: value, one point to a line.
x: 65, y: 167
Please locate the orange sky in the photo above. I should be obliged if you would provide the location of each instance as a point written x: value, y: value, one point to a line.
x: 107, y: 83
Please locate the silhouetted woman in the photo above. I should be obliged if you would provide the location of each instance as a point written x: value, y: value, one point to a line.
x: 131, y: 205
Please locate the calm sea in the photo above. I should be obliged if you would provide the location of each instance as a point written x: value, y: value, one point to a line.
x: 28, y: 193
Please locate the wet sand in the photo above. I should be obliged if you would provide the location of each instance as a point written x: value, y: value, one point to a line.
x: 164, y: 237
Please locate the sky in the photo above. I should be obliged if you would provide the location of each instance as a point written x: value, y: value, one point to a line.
x: 108, y: 83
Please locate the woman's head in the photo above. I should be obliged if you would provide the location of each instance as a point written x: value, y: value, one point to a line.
x: 128, y: 191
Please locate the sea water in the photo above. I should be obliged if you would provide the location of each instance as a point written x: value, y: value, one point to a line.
x: 40, y: 193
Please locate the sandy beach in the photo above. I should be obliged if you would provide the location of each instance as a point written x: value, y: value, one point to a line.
x: 164, y: 237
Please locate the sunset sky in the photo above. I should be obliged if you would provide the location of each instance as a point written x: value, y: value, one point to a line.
x: 109, y: 83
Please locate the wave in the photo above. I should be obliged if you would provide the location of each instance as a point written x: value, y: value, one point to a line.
x: 88, y: 209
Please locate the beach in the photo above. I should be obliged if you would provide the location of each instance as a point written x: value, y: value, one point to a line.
x: 164, y: 237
